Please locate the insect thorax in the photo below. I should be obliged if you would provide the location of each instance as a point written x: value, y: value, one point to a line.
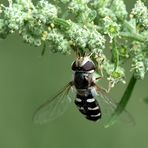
x: 83, y: 68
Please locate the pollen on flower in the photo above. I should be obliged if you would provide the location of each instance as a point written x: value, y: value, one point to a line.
x: 45, y: 35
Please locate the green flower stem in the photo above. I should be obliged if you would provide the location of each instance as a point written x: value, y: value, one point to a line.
x: 122, y: 104
x: 115, y: 54
x: 134, y: 36
x: 132, y: 33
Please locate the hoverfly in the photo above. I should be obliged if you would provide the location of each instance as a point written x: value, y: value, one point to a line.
x: 86, y: 90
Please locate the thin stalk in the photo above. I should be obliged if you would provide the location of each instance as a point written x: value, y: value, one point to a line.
x: 43, y: 50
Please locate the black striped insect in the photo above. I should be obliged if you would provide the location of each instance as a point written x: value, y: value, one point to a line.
x: 85, y: 86
x: 86, y: 91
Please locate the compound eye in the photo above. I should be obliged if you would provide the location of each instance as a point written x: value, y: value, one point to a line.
x: 89, y: 65
x: 73, y: 66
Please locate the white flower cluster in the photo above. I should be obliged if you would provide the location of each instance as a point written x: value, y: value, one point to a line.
x: 139, y: 60
x: 86, y: 26
x: 140, y: 13
x: 83, y: 37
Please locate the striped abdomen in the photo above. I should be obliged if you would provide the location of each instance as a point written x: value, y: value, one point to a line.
x: 88, y: 106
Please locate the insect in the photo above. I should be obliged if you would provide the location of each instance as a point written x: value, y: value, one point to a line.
x: 86, y: 91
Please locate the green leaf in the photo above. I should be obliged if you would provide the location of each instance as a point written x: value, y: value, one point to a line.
x: 123, y: 102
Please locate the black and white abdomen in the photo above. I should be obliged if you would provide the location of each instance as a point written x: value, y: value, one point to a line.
x: 88, y: 106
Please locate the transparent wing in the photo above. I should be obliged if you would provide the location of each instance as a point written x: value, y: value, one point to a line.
x: 108, y: 106
x: 53, y: 107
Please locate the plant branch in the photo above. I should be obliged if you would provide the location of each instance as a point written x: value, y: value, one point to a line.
x: 134, y: 36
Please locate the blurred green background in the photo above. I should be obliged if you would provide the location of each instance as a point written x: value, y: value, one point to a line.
x: 27, y: 80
